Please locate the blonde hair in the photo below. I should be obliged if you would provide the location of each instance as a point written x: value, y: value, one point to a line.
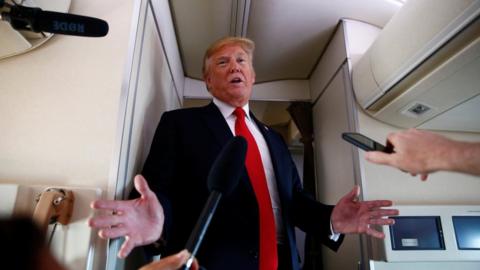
x: 246, y: 44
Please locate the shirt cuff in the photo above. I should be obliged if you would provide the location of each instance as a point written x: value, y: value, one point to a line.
x: 333, y: 235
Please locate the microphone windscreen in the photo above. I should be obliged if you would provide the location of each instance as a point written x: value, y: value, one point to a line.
x: 69, y: 24
x: 228, y: 167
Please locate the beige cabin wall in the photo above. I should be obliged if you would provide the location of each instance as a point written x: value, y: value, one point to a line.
x: 153, y: 89
x: 59, y: 104
x: 60, y: 108
x: 154, y: 84
x: 339, y: 165
x: 334, y: 166
x: 81, y: 112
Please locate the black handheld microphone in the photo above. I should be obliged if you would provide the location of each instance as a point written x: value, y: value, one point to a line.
x: 222, y: 179
x: 37, y: 20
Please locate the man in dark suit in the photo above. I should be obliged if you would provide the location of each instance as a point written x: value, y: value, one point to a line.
x: 254, y: 226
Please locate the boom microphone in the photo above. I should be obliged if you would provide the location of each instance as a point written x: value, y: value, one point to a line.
x: 222, y: 179
x: 37, y: 20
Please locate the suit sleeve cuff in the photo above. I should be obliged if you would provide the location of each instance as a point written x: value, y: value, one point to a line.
x: 333, y: 235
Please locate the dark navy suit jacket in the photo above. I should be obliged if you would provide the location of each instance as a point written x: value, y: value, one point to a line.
x: 185, y: 145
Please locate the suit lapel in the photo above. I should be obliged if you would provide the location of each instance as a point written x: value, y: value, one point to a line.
x: 217, y: 124
x: 219, y: 129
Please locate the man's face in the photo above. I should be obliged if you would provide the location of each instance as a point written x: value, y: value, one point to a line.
x: 230, y: 75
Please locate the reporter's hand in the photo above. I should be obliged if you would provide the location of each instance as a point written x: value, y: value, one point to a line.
x: 172, y: 262
x: 416, y: 152
x: 140, y: 220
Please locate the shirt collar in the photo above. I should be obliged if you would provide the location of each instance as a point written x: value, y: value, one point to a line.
x: 227, y: 109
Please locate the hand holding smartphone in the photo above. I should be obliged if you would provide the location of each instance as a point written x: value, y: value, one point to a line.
x: 365, y: 143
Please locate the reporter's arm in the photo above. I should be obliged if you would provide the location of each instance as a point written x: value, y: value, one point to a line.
x: 464, y: 157
x: 422, y: 152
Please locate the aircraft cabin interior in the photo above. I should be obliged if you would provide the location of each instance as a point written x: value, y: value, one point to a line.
x: 78, y: 114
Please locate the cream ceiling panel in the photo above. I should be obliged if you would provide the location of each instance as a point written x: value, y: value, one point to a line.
x: 197, y: 24
x: 290, y: 36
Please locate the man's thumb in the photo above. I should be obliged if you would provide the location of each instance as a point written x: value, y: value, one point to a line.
x: 141, y: 185
x: 353, y: 194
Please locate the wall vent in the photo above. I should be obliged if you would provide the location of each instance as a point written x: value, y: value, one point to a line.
x: 417, y: 109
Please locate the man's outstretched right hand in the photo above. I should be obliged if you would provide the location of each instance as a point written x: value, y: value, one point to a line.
x: 140, y: 220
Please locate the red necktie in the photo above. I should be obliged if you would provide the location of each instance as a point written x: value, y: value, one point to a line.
x: 256, y: 173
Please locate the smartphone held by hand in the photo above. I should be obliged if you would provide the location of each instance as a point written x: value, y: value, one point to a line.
x: 365, y: 143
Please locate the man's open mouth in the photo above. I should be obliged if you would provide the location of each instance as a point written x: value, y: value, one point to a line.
x: 236, y: 80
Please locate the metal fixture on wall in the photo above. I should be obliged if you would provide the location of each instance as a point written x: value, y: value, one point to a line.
x: 54, y: 205
x: 239, y: 18
x: 15, y: 42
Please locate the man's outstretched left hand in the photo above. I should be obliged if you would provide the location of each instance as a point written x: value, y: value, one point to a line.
x: 353, y: 216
